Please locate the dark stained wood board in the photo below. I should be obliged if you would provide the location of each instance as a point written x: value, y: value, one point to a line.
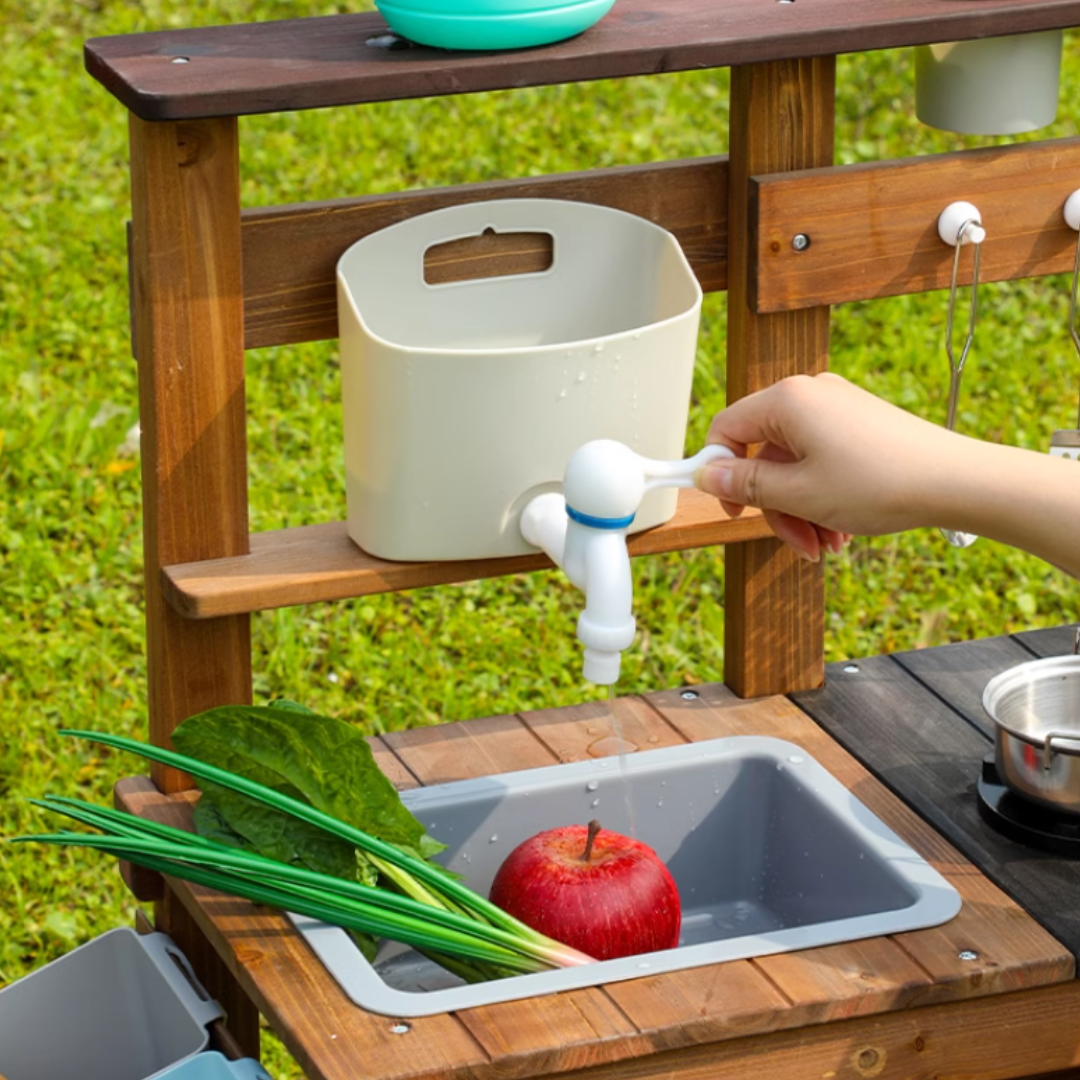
x: 318, y: 62
x: 638, y: 1027
x: 915, y: 720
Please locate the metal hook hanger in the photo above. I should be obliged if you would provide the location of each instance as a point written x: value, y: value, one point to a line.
x: 1066, y: 442
x: 960, y: 224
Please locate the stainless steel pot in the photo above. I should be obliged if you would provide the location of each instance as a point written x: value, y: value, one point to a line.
x: 1036, y: 712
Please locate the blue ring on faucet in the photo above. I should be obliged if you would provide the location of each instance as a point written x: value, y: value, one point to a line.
x: 599, y: 522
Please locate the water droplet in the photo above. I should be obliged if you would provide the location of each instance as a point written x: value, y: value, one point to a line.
x: 581, y: 376
x: 562, y: 394
x: 611, y: 744
x: 592, y: 785
x: 795, y: 759
x: 493, y: 838
x: 598, y: 348
x: 660, y: 803
x: 595, y: 802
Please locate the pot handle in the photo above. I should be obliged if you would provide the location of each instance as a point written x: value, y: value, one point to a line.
x: 1048, y: 747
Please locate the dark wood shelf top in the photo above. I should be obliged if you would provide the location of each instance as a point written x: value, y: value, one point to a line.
x: 324, y: 61
x: 312, y: 563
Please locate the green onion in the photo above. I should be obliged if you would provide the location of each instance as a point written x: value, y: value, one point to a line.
x: 433, y: 912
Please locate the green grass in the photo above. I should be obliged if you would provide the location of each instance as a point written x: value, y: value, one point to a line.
x: 70, y: 575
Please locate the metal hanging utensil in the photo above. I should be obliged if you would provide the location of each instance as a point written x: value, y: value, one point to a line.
x: 1066, y: 442
x: 960, y: 224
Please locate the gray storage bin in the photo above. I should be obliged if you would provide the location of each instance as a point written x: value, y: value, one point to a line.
x: 124, y: 1006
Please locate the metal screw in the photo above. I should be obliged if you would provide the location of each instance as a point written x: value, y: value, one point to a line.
x: 689, y: 695
x: 785, y: 1
x: 851, y: 669
x: 800, y: 241
x: 968, y: 954
x: 400, y: 1028
x: 180, y: 60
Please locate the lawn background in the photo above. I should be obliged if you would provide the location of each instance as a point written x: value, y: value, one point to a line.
x: 70, y: 561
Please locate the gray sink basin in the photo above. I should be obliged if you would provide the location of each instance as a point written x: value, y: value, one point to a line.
x: 769, y: 851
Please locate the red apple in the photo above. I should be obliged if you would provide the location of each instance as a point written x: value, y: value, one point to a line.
x: 598, y: 891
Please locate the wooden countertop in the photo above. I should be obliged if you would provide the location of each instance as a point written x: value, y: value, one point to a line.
x: 989, y: 993
x: 308, y: 63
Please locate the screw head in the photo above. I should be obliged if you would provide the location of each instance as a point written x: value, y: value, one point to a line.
x: 968, y: 954
x: 401, y: 1027
x: 800, y: 241
x: 689, y: 695
x: 851, y: 669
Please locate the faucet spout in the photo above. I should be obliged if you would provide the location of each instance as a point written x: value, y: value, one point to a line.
x: 596, y: 562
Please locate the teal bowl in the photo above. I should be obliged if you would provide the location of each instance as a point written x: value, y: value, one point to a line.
x: 490, y: 24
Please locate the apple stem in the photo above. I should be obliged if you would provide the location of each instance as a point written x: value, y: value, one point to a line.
x: 594, y: 828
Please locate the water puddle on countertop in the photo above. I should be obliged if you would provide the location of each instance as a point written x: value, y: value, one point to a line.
x: 614, y: 742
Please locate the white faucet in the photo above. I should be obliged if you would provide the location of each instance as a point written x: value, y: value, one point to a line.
x: 583, y: 531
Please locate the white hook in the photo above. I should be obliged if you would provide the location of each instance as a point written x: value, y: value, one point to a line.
x: 1072, y: 210
x: 954, y: 217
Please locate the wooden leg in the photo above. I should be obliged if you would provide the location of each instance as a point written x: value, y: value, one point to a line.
x: 187, y: 315
x: 187, y: 318
x: 781, y: 119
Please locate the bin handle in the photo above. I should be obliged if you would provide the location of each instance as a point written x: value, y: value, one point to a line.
x: 399, y: 249
x: 178, y: 973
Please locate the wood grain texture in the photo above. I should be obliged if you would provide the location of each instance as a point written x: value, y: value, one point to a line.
x: 1010, y: 1035
x: 781, y: 119
x: 283, y: 65
x: 291, y: 252
x: 309, y: 563
x: 873, y: 227
x: 188, y: 300
x: 673, y: 1024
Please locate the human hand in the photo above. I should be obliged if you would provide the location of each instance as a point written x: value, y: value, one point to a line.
x: 834, y: 460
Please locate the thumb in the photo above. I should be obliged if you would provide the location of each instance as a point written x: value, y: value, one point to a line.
x: 738, y: 481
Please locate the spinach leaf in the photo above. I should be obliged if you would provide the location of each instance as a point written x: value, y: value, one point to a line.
x: 323, y: 761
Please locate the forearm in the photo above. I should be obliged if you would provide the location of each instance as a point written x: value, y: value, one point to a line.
x: 1028, y: 500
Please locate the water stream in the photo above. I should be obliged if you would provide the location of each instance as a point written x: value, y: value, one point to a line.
x: 617, y: 743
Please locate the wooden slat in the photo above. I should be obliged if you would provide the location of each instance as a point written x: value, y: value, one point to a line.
x: 185, y: 242
x: 959, y: 673
x: 873, y: 227
x: 781, y: 119
x: 1009, y: 1035
x: 319, y: 562
x: 601, y: 729
x: 291, y: 252
x: 308, y: 63
x: 1051, y: 641
x: 930, y: 755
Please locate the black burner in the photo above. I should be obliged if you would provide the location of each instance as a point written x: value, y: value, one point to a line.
x: 1023, y: 821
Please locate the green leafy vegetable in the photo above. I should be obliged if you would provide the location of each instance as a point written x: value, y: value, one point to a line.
x: 438, y: 915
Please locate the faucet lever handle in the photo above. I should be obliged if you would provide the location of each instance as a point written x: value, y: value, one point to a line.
x: 682, y: 473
